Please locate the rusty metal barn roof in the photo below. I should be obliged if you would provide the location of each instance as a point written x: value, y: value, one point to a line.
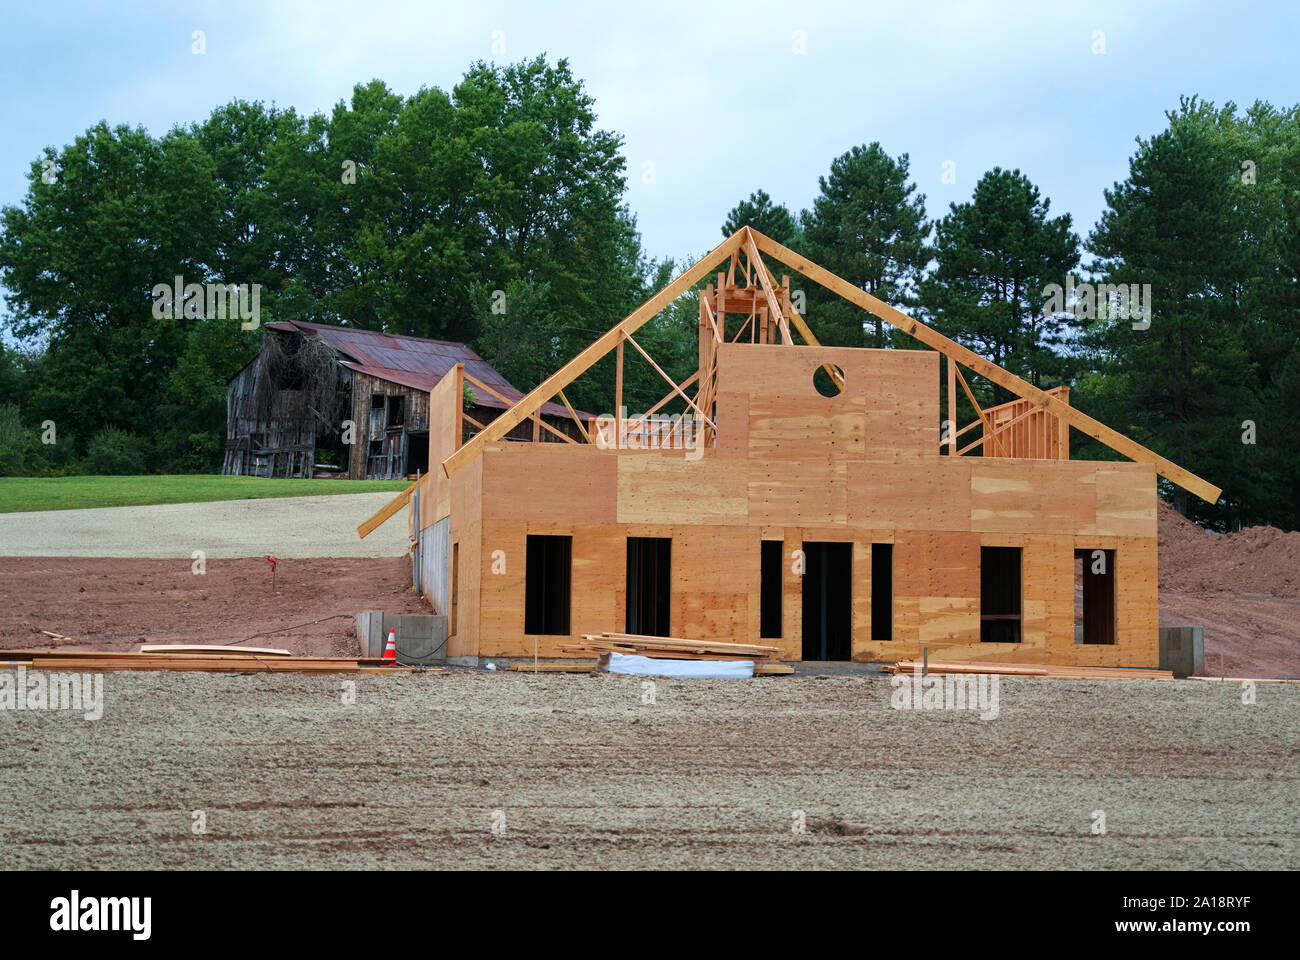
x: 411, y: 361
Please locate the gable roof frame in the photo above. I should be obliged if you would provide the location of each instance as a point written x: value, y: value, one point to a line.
x: 753, y: 244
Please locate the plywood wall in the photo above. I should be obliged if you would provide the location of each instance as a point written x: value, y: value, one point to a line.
x: 792, y: 465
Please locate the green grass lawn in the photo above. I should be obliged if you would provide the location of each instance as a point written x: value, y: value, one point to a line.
x: 21, y: 494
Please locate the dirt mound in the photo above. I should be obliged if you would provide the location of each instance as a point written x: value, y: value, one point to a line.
x: 1243, y: 588
x: 104, y: 604
x: 1257, y: 560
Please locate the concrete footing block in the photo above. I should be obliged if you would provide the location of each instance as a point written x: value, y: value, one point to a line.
x: 1182, y: 650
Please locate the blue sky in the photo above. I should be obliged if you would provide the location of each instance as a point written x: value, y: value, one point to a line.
x: 714, y: 95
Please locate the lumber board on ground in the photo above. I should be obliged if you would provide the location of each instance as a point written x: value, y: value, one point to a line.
x: 1244, y: 679
x: 675, y: 654
x: 668, y: 642
x: 211, y: 648
x: 1060, y: 672
x: 202, y: 664
x: 552, y: 666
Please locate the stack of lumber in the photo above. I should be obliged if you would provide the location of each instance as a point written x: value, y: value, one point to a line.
x: 673, y: 648
x: 1031, y: 670
x: 212, y: 659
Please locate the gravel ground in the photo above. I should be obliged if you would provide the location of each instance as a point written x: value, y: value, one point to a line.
x: 284, y: 527
x: 586, y: 775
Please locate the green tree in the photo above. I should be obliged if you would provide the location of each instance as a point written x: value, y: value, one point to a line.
x: 115, y: 213
x: 758, y: 211
x: 995, y: 254
x: 1216, y: 245
x: 868, y: 226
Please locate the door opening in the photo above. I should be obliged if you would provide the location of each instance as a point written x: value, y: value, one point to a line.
x: 827, y: 600
x: 649, y: 585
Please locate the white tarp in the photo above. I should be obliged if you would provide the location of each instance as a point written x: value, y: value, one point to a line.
x: 704, y: 669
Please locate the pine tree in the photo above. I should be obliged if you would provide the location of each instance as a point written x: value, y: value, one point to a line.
x: 868, y: 226
x: 995, y: 255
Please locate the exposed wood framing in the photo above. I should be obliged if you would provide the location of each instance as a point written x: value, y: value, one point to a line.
x: 530, y: 403
x: 1009, y: 381
x: 397, y: 503
x: 765, y: 282
x: 988, y: 427
x: 568, y: 406
x: 951, y: 366
x: 676, y: 389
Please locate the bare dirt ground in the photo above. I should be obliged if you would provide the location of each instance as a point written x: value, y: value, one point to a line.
x: 118, y: 604
x: 1243, y: 587
x: 577, y: 772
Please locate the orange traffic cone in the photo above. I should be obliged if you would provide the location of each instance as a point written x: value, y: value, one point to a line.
x: 390, y: 651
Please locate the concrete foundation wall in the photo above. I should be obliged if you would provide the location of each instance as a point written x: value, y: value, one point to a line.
x: 421, y: 638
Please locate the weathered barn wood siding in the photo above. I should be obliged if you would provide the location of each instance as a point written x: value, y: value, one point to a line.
x: 281, y: 446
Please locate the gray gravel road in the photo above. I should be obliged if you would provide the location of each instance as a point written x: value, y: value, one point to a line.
x: 284, y: 527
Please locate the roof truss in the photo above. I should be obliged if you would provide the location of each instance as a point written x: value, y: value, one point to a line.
x: 771, y: 315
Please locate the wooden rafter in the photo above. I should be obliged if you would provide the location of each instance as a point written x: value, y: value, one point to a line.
x: 568, y: 406
x: 583, y: 361
x: 764, y: 281
x: 731, y: 249
x: 805, y: 331
x: 676, y: 389
x: 399, y: 501
x: 684, y: 384
x: 988, y: 427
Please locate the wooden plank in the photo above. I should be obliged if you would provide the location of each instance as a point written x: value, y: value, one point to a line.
x: 553, y: 666
x: 381, y: 515
x: 952, y: 405
x: 210, y: 648
x: 996, y: 430
x: 618, y: 391
x: 988, y: 429
x: 932, y: 338
x: 676, y: 389
x: 765, y: 282
x: 511, y: 418
x: 568, y: 406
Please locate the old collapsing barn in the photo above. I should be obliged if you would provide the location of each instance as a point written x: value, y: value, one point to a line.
x: 289, y: 409
x: 822, y: 509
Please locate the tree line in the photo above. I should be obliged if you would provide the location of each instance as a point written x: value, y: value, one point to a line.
x: 494, y: 214
x: 1183, y: 330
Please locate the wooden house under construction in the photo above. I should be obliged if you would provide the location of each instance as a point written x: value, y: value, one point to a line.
x: 289, y: 409
x: 820, y: 507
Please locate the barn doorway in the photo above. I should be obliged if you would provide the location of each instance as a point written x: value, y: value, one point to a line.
x: 827, y: 600
x: 417, y: 453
